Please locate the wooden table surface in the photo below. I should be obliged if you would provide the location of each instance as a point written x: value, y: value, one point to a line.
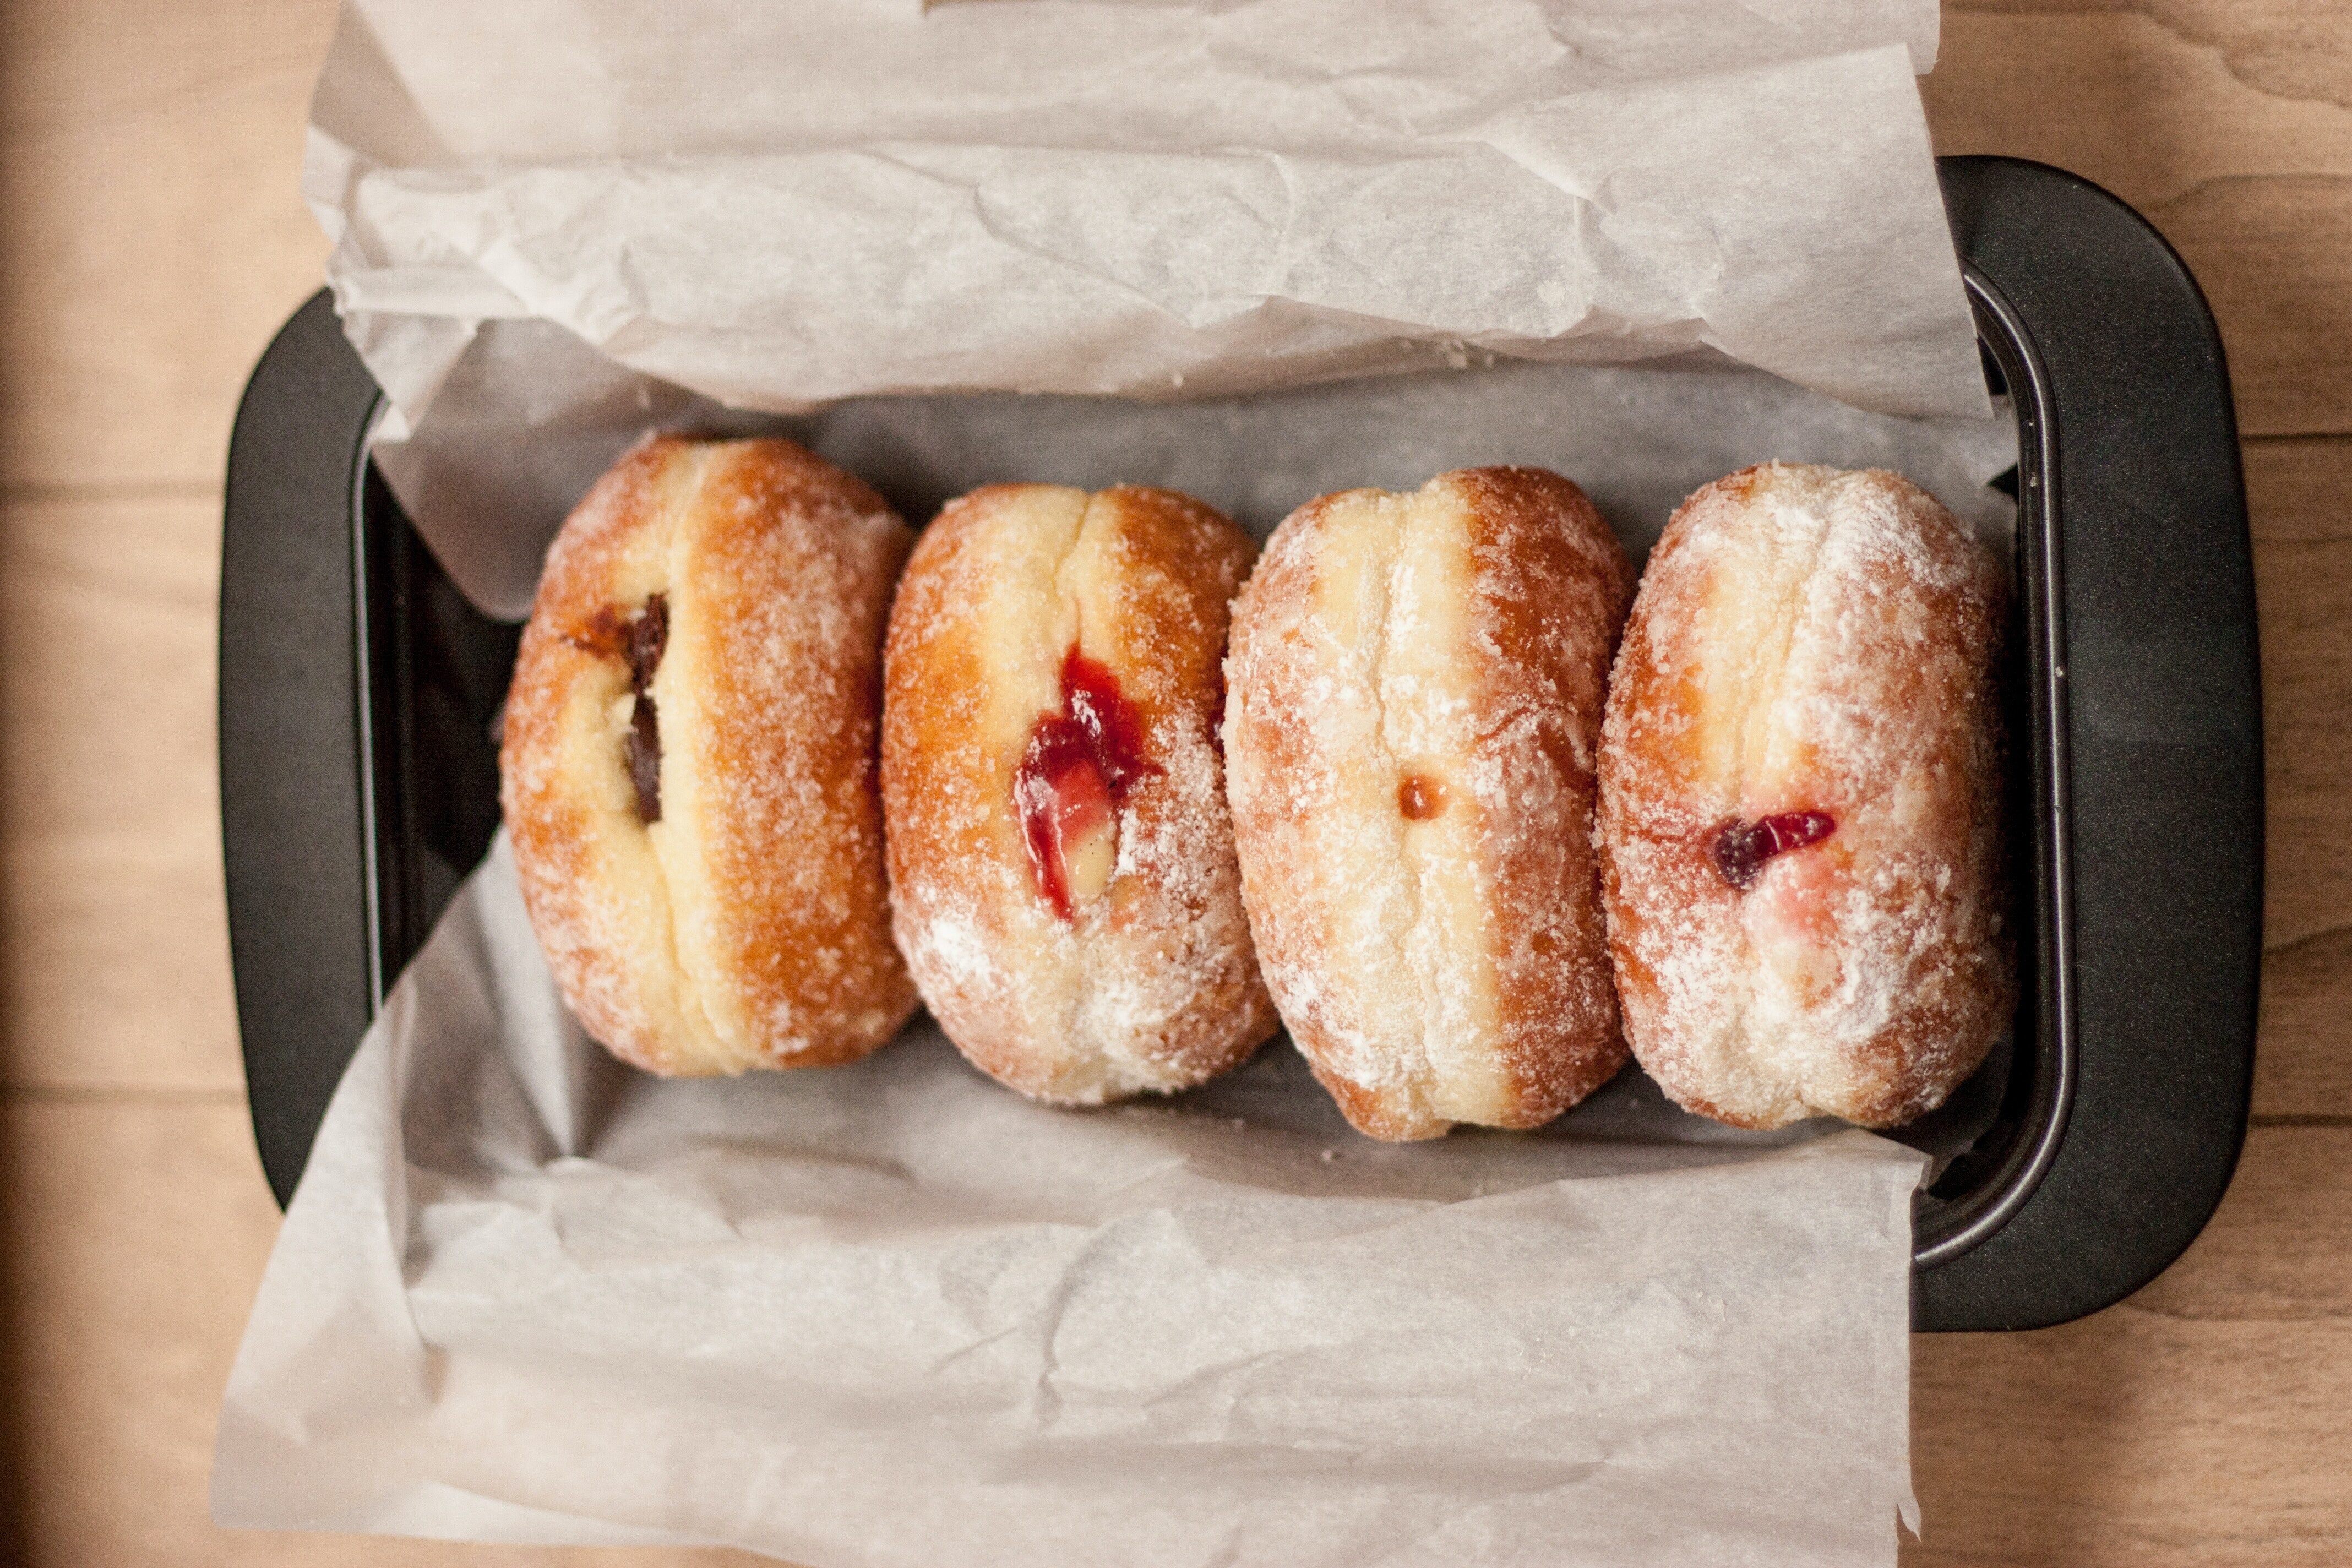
x: 150, y: 240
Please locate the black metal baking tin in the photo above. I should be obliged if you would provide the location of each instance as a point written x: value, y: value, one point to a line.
x: 358, y: 783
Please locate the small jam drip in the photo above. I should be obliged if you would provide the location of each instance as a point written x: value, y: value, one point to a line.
x: 643, y: 639
x: 1419, y: 797
x: 1741, y: 847
x: 1074, y: 774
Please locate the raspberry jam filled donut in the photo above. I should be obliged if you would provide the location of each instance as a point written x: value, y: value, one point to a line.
x: 1062, y: 863
x: 1415, y: 699
x: 1800, y: 802
x: 688, y: 772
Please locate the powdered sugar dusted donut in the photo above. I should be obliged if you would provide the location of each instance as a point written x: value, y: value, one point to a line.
x: 1415, y: 693
x: 1061, y: 861
x: 1800, y: 802
x: 689, y: 767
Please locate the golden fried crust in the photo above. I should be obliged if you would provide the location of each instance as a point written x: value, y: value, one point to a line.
x: 1415, y: 699
x: 1153, y: 984
x: 1808, y: 640
x: 1562, y: 585
x: 750, y: 926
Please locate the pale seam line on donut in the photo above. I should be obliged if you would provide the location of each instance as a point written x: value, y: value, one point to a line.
x: 1460, y: 1042
x: 1069, y: 950
x: 1075, y: 966
x: 676, y: 503
x: 1340, y: 550
x: 1395, y: 511
x: 1482, y: 1085
x: 1758, y: 723
x: 966, y: 937
x: 1116, y: 1036
x: 1843, y: 494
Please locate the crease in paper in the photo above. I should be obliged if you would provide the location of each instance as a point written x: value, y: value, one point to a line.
x: 868, y: 1315
x: 780, y: 205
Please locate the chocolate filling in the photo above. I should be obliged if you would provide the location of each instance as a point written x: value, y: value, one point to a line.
x: 649, y: 639
x: 645, y: 757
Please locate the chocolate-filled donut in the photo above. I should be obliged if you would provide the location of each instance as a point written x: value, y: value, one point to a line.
x: 688, y: 760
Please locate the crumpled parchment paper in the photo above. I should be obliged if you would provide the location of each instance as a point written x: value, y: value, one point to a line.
x: 891, y: 1314
x: 777, y: 203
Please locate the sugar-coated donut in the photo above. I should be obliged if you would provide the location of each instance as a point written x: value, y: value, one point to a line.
x: 1800, y: 802
x: 1415, y: 699
x: 689, y: 762
x: 1061, y: 864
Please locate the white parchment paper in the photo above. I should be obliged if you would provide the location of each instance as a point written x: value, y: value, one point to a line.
x: 777, y: 203
x: 507, y: 451
x: 892, y: 1315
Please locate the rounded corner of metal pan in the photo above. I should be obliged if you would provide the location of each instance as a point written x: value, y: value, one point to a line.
x: 2137, y: 690
x: 2142, y: 685
x: 297, y: 845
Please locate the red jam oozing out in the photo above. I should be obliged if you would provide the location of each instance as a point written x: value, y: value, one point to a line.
x: 1741, y: 848
x: 1076, y: 772
x: 1419, y: 797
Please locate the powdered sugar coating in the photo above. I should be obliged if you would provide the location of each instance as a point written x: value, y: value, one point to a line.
x: 1807, y: 639
x: 1415, y: 691
x: 749, y: 927
x: 1153, y: 986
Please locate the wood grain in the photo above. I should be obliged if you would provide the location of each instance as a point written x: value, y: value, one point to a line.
x: 2124, y: 100
x: 154, y: 238
x: 2254, y: 188
x: 2299, y: 489
x: 2294, y: 48
x: 2199, y: 1424
x: 2296, y: 501
x: 2302, y: 1064
x: 139, y: 1227
x: 113, y: 936
x: 152, y: 241
x: 2305, y: 591
x: 2274, y: 256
